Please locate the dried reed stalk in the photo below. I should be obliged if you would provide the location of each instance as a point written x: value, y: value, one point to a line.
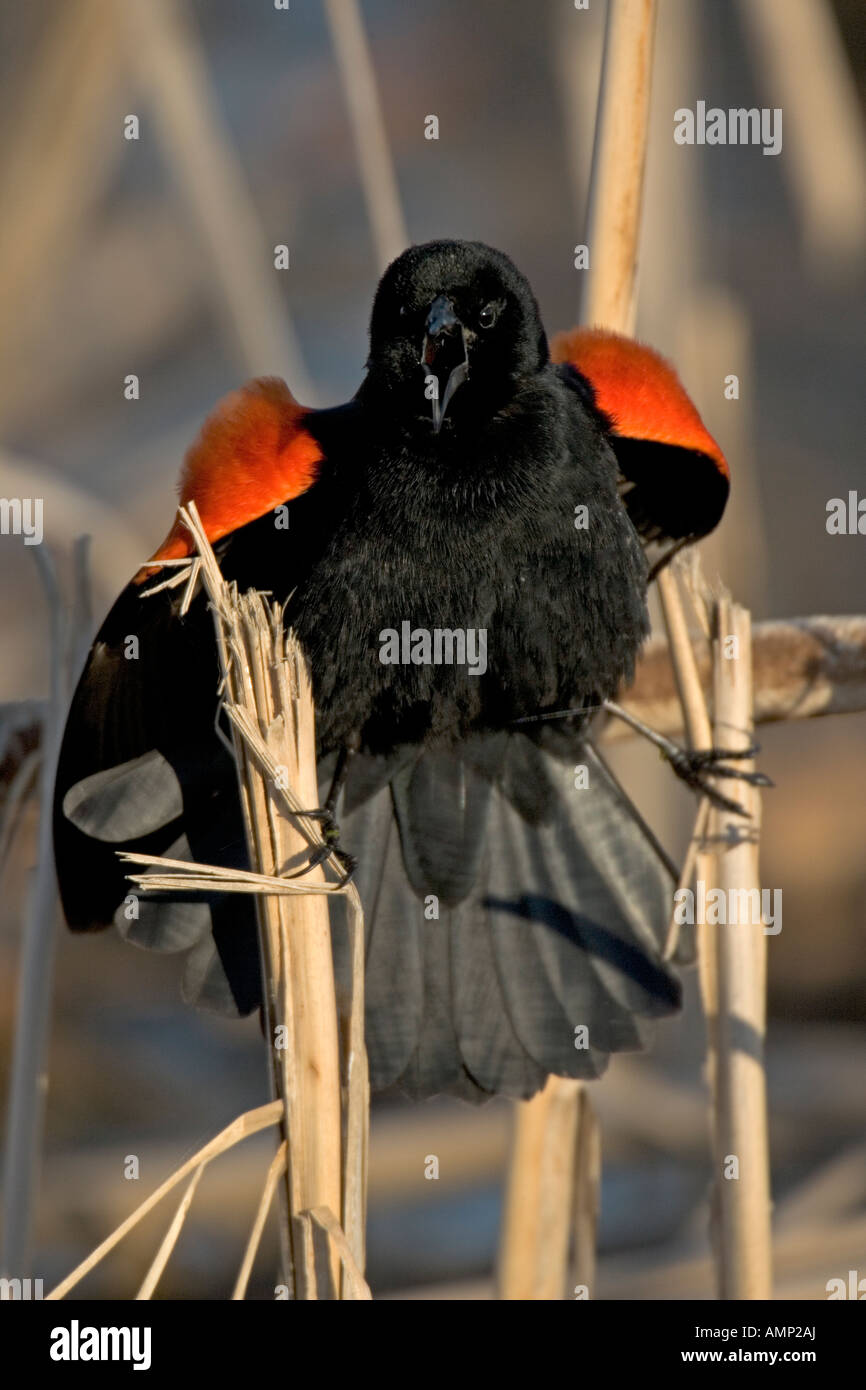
x: 618, y: 163
x: 800, y: 60
x: 803, y: 668
x: 699, y: 862
x: 28, y: 1081
x: 166, y: 54
x: 741, y: 1265
x: 539, y: 1193
x: 587, y: 1197
x: 52, y: 171
x: 375, y: 161
x: 546, y: 1182
x: 317, y: 1059
x: 741, y: 1144
x: 268, y: 697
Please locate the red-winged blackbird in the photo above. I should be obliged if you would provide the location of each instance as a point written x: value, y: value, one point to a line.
x: 464, y: 551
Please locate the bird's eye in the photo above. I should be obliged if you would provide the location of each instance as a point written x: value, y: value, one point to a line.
x: 488, y: 315
x: 404, y: 311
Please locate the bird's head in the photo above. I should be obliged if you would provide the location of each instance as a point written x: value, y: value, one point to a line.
x: 454, y: 332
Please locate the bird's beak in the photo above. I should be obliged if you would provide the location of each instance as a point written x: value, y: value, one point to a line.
x: 444, y: 355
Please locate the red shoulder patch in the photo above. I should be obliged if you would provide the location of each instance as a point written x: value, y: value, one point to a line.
x: 252, y: 454
x: 638, y: 390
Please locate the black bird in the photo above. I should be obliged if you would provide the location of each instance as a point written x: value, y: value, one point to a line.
x: 463, y: 553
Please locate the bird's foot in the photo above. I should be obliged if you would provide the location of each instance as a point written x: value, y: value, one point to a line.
x: 329, y: 849
x: 698, y: 767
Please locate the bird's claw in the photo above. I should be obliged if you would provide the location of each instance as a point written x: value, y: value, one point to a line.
x: 699, y: 766
x: 330, y: 849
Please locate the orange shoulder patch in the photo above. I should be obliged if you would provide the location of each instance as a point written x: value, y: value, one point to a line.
x: 637, y: 389
x: 252, y: 454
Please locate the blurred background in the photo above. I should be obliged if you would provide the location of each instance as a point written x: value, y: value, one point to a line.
x: 155, y: 257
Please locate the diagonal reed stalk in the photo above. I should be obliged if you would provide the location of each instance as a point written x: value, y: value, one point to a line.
x: 166, y: 56
x: 375, y: 161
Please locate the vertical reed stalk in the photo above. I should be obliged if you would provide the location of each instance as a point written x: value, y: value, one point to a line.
x: 545, y: 1182
x: 742, y: 1163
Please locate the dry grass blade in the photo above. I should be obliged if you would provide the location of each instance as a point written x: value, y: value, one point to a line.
x: 275, y: 1172
x: 688, y: 873
x: 252, y: 1122
x: 203, y: 877
x: 326, y: 1241
x: 163, y: 1254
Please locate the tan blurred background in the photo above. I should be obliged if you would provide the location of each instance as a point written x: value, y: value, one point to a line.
x: 155, y: 257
